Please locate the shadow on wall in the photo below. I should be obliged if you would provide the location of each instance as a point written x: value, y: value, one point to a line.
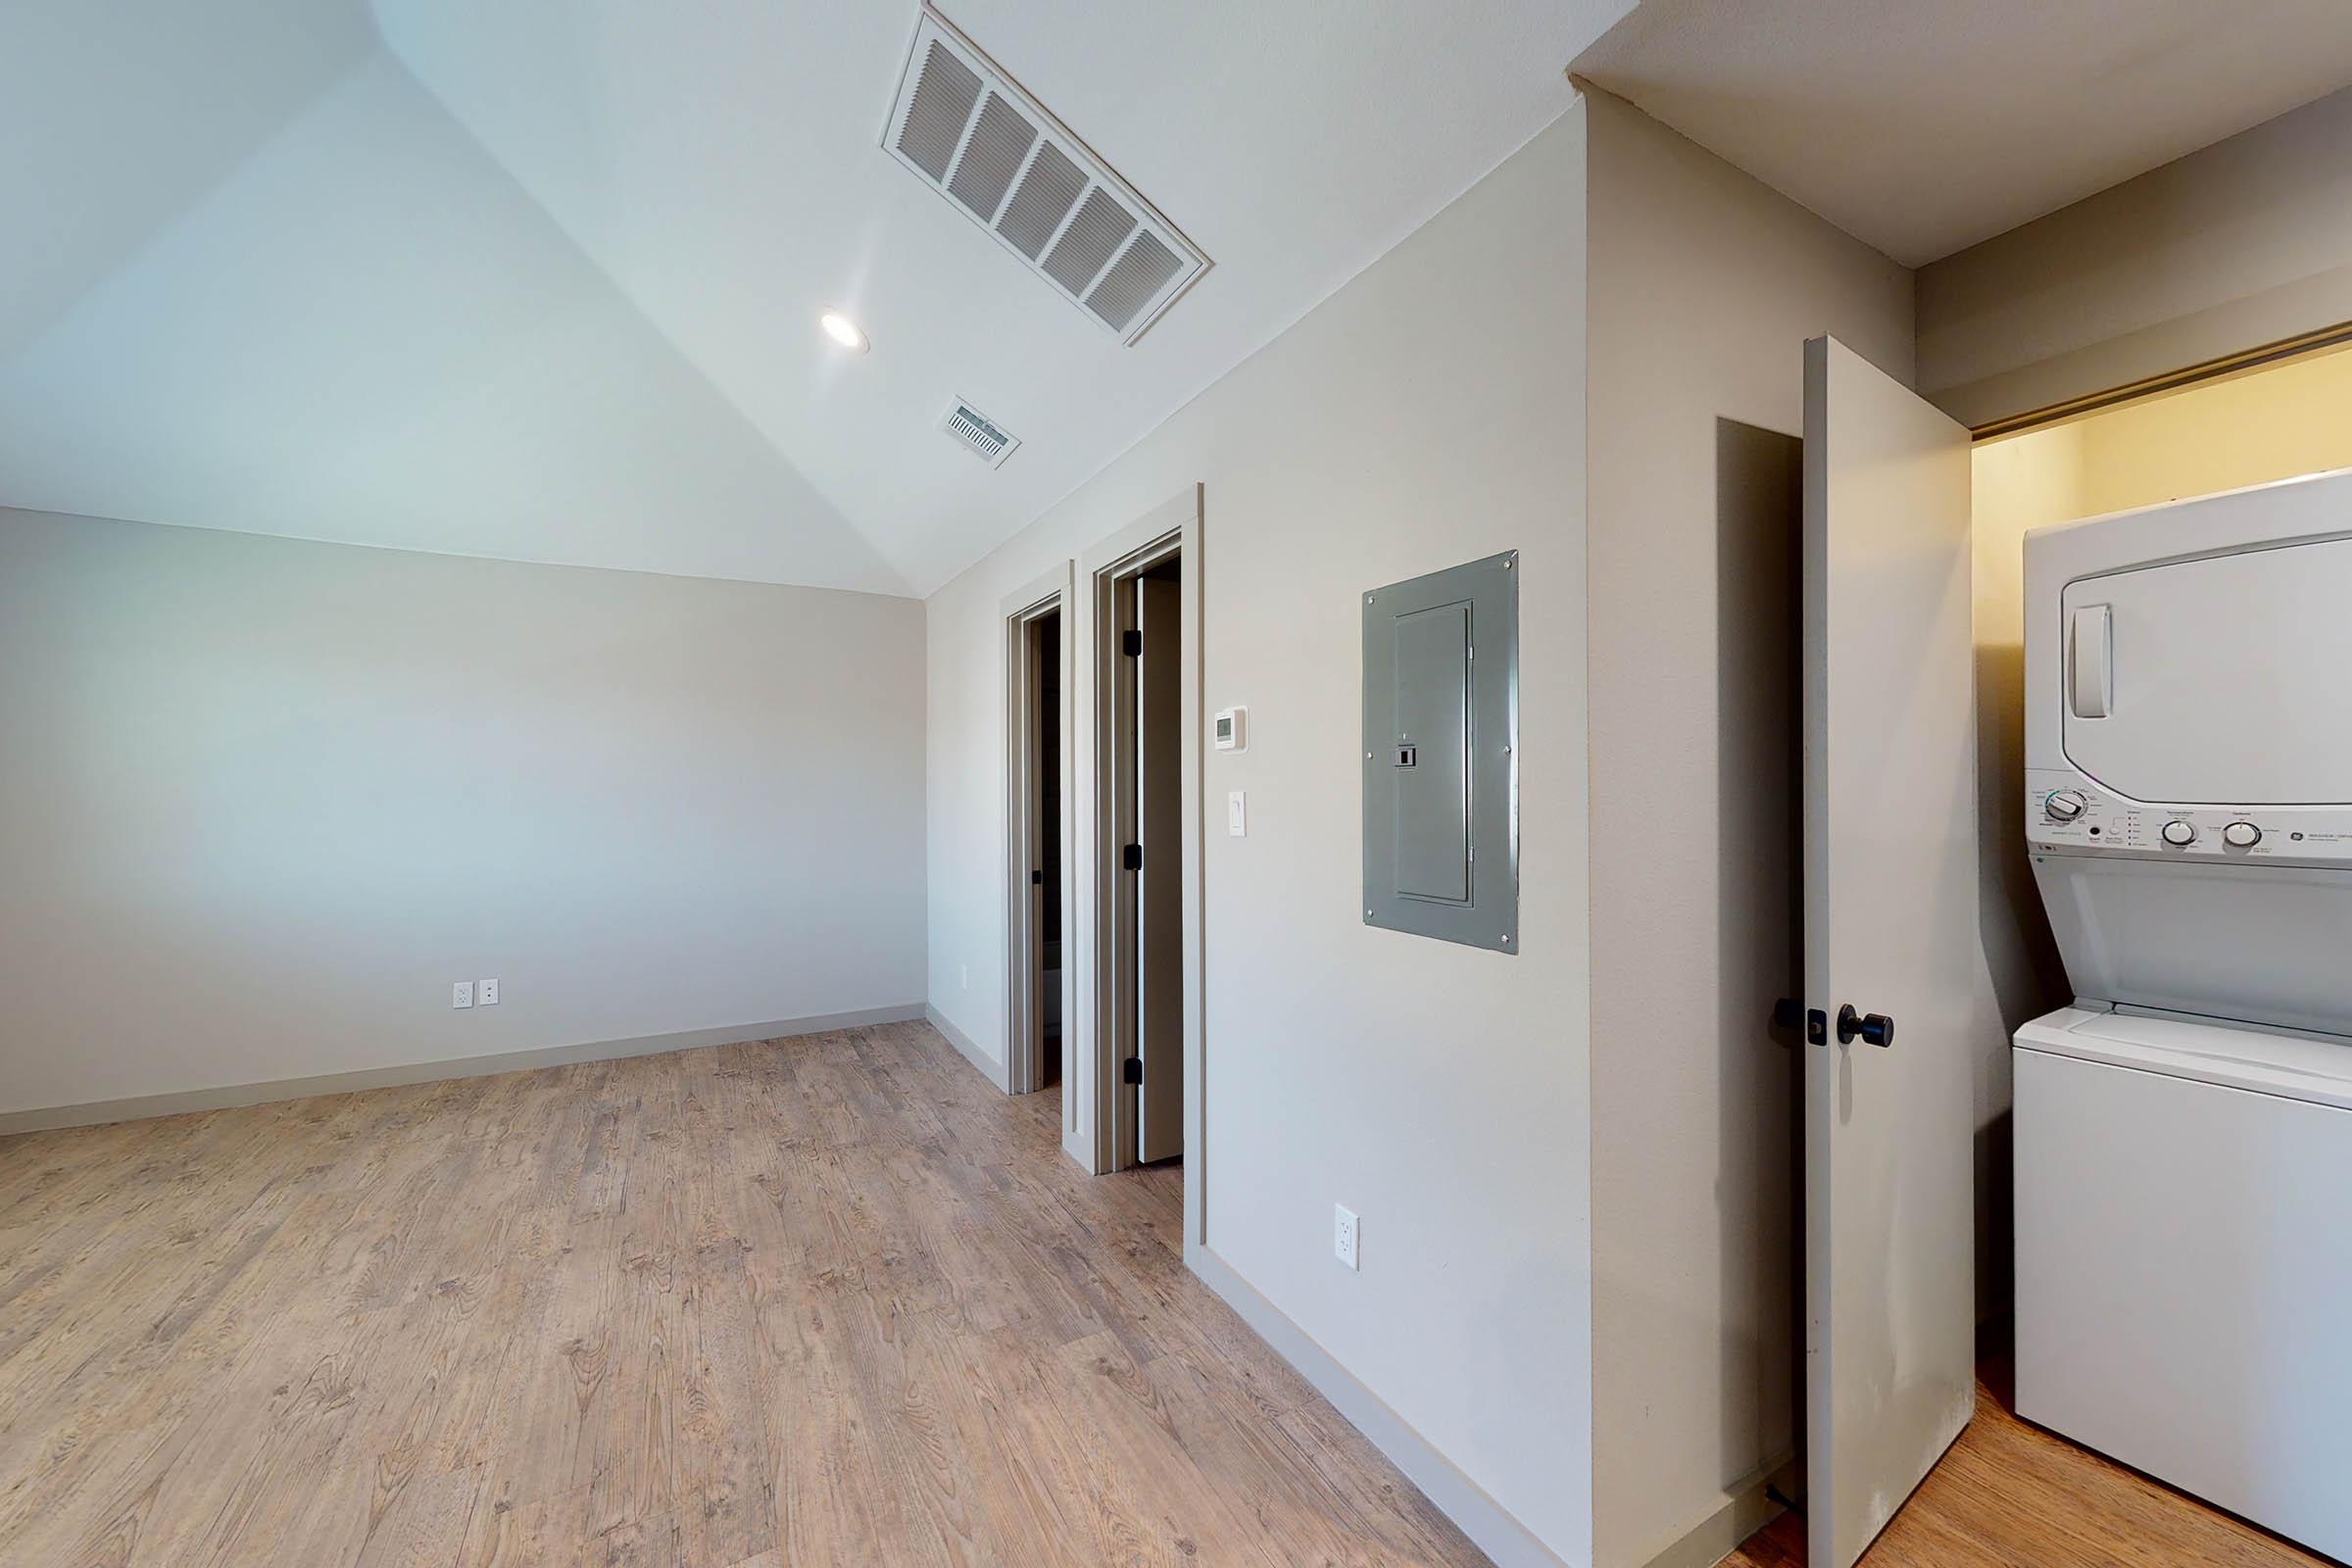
x: 1759, y: 661
x: 2021, y: 956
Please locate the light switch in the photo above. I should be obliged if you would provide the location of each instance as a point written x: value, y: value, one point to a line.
x: 1236, y: 818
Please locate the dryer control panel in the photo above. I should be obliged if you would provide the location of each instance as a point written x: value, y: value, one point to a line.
x: 2066, y: 812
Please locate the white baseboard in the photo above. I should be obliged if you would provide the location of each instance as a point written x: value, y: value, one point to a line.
x: 969, y: 1049
x: 140, y: 1107
x: 1491, y: 1527
x: 1745, y: 1511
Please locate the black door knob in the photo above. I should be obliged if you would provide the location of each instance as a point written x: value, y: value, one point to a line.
x: 1875, y: 1028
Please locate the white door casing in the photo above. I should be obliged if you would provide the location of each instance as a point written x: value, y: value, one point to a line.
x: 1100, y: 1130
x: 1025, y: 1001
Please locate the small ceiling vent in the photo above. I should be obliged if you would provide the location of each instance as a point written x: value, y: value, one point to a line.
x: 991, y: 150
x: 978, y: 434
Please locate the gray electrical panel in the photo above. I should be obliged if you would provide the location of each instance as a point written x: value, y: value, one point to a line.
x: 1440, y: 754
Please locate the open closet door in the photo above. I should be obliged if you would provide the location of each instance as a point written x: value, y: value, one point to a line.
x: 1891, y: 934
x: 1160, y: 885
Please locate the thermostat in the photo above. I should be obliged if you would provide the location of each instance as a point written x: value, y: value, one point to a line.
x: 1232, y: 730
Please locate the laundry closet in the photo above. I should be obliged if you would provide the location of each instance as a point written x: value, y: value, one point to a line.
x: 2164, y: 611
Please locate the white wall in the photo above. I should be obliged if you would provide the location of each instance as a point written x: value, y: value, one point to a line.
x: 262, y: 800
x: 2276, y: 423
x: 1428, y: 414
x: 2241, y: 244
x: 1703, y: 286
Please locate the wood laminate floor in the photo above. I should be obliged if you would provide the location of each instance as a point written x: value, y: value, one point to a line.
x: 2012, y: 1495
x: 827, y: 1302
x: 831, y: 1302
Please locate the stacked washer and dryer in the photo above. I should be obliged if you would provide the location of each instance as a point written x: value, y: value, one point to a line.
x: 2184, y: 1131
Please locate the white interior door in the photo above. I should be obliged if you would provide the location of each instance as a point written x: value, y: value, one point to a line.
x: 1890, y: 933
x: 1160, y: 884
x: 1028, y: 1052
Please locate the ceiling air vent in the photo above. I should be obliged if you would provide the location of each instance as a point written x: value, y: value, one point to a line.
x: 982, y: 436
x: 979, y: 141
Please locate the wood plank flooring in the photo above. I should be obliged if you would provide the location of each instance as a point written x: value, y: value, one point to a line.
x: 2011, y: 1495
x: 826, y: 1302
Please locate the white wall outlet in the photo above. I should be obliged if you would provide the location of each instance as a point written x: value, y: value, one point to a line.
x: 486, y: 993
x: 461, y: 995
x: 1346, y: 1231
x: 1237, y: 814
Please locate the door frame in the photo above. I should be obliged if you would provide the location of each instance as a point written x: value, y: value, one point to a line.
x: 1048, y: 594
x: 1092, y: 1132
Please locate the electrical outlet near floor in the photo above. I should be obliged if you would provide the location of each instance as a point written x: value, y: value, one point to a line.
x: 1346, y: 1232
x: 486, y: 993
x: 461, y: 995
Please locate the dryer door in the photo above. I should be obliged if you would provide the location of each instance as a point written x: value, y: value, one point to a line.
x: 2219, y: 680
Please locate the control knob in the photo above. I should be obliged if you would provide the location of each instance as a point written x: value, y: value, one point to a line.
x: 2242, y: 835
x: 2178, y: 832
x: 2064, y: 806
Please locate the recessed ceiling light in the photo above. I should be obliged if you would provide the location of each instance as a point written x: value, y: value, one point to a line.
x: 843, y: 331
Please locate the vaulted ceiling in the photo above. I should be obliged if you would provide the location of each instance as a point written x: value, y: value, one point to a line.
x: 540, y: 278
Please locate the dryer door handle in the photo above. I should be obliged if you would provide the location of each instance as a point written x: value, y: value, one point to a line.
x: 2091, y: 663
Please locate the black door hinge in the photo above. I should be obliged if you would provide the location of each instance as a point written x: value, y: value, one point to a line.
x: 1132, y: 857
x: 1036, y: 878
x: 1131, y: 643
x: 1132, y: 1070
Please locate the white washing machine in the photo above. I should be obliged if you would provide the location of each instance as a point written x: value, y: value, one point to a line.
x: 2183, y: 1133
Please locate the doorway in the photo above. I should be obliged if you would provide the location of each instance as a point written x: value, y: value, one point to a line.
x: 1046, y: 802
x: 1146, y: 738
x: 1914, y: 756
x: 1037, y: 789
x: 1136, y: 1052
